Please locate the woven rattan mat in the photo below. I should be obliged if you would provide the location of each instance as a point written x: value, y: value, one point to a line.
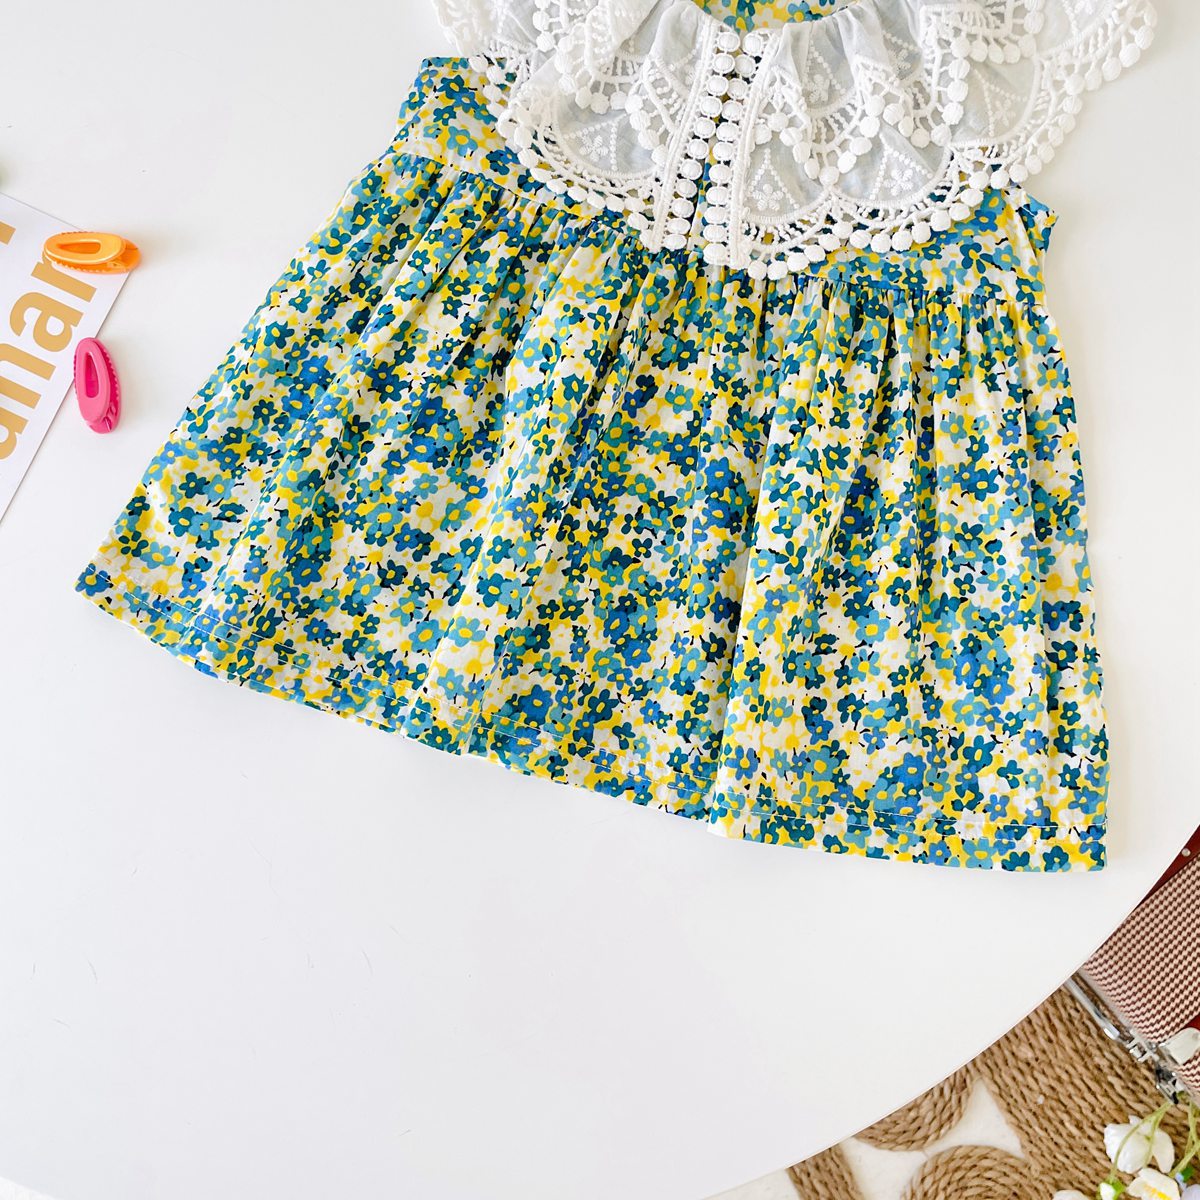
x: 1058, y: 1081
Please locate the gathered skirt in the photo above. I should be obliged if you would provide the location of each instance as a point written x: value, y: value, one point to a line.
x: 802, y: 559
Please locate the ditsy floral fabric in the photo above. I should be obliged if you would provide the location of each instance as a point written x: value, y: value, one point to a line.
x: 801, y: 559
x: 764, y: 14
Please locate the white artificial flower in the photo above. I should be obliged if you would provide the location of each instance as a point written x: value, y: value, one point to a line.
x: 1153, y: 1185
x: 1192, y: 1192
x: 1071, y: 1194
x: 1108, y: 1192
x: 1131, y: 1148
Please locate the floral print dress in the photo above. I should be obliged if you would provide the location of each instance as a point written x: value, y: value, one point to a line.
x: 799, y: 554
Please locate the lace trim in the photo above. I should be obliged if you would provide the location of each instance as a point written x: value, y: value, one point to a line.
x: 874, y: 126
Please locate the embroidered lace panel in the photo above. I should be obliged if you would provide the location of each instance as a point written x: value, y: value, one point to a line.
x: 873, y: 126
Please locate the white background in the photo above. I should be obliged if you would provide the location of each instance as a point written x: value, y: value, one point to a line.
x: 248, y: 950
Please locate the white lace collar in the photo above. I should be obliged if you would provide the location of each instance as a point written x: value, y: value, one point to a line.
x: 872, y: 126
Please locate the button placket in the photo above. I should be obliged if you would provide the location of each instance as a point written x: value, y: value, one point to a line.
x: 688, y: 174
x: 738, y: 64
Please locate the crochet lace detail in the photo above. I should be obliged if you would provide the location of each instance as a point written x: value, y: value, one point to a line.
x: 874, y: 126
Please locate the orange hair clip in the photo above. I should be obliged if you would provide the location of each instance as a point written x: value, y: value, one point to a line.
x: 104, y: 252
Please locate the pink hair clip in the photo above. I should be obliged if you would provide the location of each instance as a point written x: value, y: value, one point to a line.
x: 96, y: 387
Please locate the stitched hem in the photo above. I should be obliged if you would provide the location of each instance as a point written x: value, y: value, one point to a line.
x: 223, y: 650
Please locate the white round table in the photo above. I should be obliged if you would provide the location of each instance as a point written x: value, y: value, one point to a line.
x: 248, y: 950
